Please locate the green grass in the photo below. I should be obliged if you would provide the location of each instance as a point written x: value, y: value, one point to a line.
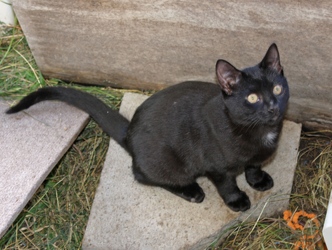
x: 18, y: 74
x: 57, y: 215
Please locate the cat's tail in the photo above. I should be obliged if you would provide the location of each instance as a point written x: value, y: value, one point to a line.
x: 114, y: 124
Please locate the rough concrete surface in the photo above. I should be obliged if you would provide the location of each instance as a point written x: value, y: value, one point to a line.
x: 128, y: 215
x: 31, y: 144
x: 153, y: 44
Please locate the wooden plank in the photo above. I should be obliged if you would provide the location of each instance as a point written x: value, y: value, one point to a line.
x: 153, y: 44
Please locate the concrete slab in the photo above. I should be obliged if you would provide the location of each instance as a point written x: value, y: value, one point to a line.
x: 127, y: 215
x: 31, y: 143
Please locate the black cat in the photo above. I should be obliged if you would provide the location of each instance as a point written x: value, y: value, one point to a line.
x: 197, y: 129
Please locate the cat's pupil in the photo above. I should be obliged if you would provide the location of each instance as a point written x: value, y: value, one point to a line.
x: 252, y: 98
x: 277, y: 90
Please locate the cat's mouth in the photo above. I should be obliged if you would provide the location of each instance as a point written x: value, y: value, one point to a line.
x: 271, y: 118
x: 274, y: 119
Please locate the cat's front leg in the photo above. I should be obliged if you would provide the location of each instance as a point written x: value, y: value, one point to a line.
x: 257, y: 178
x: 233, y: 197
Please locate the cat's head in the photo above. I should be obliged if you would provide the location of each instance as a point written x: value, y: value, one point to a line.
x: 257, y: 95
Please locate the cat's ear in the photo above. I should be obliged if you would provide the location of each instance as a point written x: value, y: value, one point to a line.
x: 228, y: 76
x: 272, y: 59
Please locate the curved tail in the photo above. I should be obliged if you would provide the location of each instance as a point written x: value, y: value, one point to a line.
x: 114, y: 124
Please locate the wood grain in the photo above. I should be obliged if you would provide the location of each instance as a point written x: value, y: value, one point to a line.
x: 153, y: 44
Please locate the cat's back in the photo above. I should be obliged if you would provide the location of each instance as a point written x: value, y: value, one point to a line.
x: 172, y: 108
x: 182, y: 95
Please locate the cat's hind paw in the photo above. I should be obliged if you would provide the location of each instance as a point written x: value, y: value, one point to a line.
x: 191, y: 193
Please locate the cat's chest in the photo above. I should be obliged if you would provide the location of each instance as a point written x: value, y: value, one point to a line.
x: 265, y: 148
x: 259, y: 140
x: 269, y: 139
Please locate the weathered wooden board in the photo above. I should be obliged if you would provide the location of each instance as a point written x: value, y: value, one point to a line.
x: 149, y: 44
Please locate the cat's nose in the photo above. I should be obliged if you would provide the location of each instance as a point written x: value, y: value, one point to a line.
x: 271, y: 106
x: 273, y: 112
x: 273, y: 109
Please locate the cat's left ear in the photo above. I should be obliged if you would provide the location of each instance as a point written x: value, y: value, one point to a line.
x: 272, y: 60
x: 228, y: 76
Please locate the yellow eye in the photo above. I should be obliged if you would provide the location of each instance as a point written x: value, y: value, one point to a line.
x: 252, y: 98
x: 277, y: 90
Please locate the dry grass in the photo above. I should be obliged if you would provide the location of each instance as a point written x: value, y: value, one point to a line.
x: 311, y: 191
x: 57, y: 215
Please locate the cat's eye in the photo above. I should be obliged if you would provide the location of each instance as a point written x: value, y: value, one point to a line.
x: 277, y: 90
x: 252, y: 98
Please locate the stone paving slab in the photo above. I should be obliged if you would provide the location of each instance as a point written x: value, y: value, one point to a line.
x: 31, y: 144
x: 128, y: 215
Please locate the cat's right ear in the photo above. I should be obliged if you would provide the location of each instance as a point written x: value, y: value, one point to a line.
x: 228, y: 76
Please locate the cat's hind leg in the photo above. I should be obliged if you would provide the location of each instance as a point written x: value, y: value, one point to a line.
x: 258, y: 179
x: 192, y: 192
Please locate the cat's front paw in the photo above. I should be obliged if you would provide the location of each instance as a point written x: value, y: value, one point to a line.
x: 262, y: 184
x: 239, y: 202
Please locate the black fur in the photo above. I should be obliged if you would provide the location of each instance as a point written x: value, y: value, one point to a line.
x: 197, y: 129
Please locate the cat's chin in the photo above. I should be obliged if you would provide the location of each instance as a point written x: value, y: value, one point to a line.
x: 263, y: 123
x: 273, y: 121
